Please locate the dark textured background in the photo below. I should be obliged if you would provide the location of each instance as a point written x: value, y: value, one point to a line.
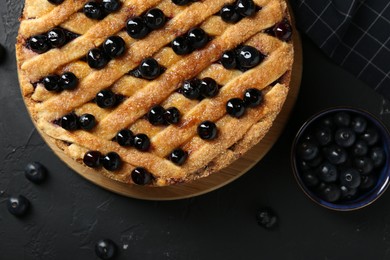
x: 69, y: 214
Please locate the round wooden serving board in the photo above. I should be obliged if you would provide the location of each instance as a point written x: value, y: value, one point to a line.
x: 212, y: 182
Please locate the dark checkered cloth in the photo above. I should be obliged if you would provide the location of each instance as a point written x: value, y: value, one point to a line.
x: 354, y: 33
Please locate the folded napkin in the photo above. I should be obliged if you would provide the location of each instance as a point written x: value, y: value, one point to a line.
x: 354, y: 33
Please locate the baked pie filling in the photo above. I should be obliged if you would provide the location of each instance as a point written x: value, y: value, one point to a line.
x: 155, y: 92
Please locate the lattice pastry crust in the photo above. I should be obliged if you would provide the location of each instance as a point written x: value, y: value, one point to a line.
x: 235, y: 135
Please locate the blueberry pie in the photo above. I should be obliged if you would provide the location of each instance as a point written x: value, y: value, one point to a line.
x: 155, y: 92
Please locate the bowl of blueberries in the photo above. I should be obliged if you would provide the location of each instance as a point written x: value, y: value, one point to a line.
x: 340, y: 158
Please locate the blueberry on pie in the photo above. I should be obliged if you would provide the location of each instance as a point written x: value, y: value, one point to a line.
x: 157, y: 92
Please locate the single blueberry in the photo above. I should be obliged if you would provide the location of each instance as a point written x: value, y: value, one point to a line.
x: 156, y: 115
x: 18, y: 205
x: 141, y: 142
x: 229, y: 60
x: 181, y: 45
x: 371, y: 136
x: 253, y: 97
x: 136, y: 28
x: 310, y: 179
x: 172, y: 115
x: 235, y: 107
x: 69, y: 122
x: 327, y: 123
x: 342, y: 119
x: 155, y: 19
x: 93, y: 159
x: 106, y: 99
x: 191, y: 89
x: 125, y: 137
x: 368, y: 182
x: 324, y: 136
x: 97, y: 59
x: 345, y: 137
x: 350, y: 178
x: 229, y: 14
x: 348, y: 193
x: 335, y: 154
x: 364, y: 165
x: 302, y: 165
x: 330, y: 192
x: 316, y: 161
x: 197, y: 38
x: 35, y: 172
x: 246, y: 7
x: 360, y: 148
x: 111, y: 6
x: 114, y: 46
x: 38, y: 44
x: 327, y: 172
x: 207, y: 130
x: 359, y: 124
x: 52, y: 83
x: 208, y: 87
x: 283, y: 30
x: 149, y: 69
x: 93, y: 10
x: 141, y: 176
x: 377, y: 155
x: 68, y: 81
x: 112, y: 161
x: 178, y: 156
x: 105, y: 249
x: 267, y: 218
x: 87, y: 121
x: 249, y: 57
x: 308, y: 150
x: 56, y: 37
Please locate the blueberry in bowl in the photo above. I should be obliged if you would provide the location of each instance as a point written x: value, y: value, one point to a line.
x: 340, y: 158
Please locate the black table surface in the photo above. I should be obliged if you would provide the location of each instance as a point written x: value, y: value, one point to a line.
x: 69, y: 214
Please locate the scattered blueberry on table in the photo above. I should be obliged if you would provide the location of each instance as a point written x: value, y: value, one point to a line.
x: 267, y: 218
x: 18, y: 205
x: 105, y: 249
x: 35, y: 172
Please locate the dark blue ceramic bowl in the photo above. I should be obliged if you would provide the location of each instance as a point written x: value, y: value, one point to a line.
x: 365, y: 198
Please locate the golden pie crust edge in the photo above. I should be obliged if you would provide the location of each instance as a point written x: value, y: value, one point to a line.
x: 253, y: 136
